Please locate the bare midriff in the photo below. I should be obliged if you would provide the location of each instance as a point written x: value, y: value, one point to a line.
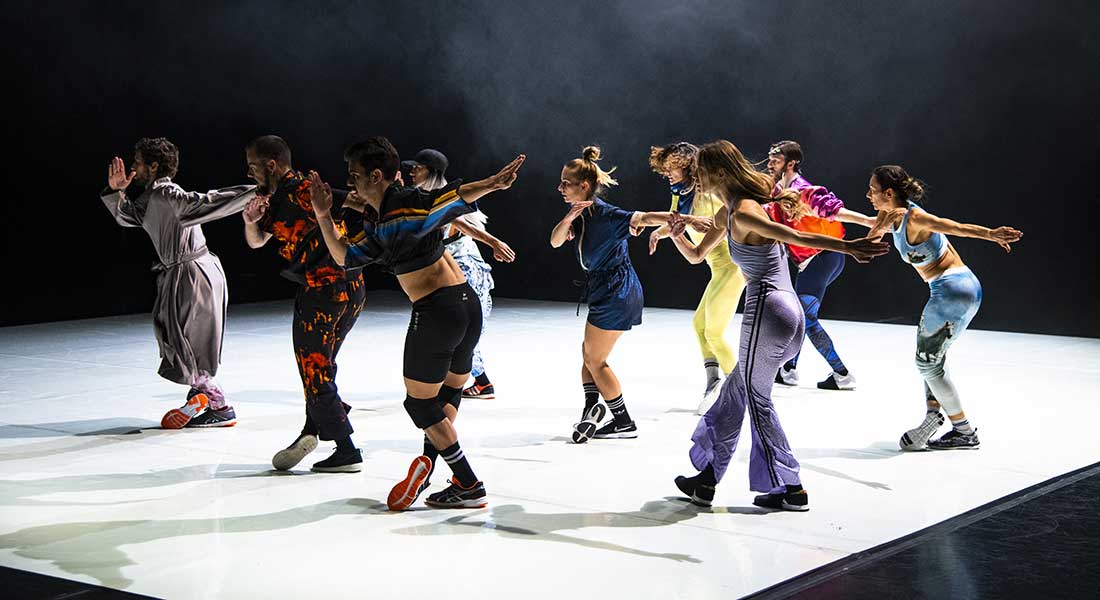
x: 444, y: 272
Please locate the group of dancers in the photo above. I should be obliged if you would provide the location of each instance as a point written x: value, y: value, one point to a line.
x: 752, y: 228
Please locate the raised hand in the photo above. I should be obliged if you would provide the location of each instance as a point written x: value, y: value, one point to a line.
x: 503, y: 252
x: 576, y: 209
x: 320, y: 195
x: 255, y: 209
x: 676, y: 225
x: 506, y: 176
x: 117, y: 178
x: 864, y: 249
x: 1003, y: 236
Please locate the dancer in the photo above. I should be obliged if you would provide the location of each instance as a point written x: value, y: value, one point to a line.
x: 612, y: 289
x: 189, y: 311
x: 723, y: 291
x: 326, y: 304
x: 816, y: 269
x: 954, y: 296
x: 771, y: 329
x: 401, y: 232
x: 428, y: 172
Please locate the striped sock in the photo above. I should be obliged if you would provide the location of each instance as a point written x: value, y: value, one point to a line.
x: 456, y: 460
x: 962, y: 425
x: 714, y: 372
x: 591, y: 396
x: 618, y: 410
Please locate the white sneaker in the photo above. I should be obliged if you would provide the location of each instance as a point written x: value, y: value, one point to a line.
x: 836, y: 381
x: 787, y: 376
x: 710, y: 397
x: 917, y: 438
x: 287, y: 458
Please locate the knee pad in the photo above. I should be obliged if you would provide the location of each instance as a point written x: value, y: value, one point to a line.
x: 449, y: 395
x: 424, y: 412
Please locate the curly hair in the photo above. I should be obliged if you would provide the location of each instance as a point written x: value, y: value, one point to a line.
x: 742, y: 180
x: 586, y: 169
x: 680, y: 155
x: 161, y: 151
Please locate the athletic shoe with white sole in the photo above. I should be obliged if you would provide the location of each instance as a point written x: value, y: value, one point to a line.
x: 178, y: 418
x: 836, y: 381
x: 225, y: 417
x: 583, y: 431
x: 287, y: 458
x: 340, y: 462
x: 917, y: 438
x: 787, y: 376
x: 697, y: 493
x: 479, y: 392
x: 614, y: 431
x: 455, y: 496
x: 955, y: 440
x: 798, y: 501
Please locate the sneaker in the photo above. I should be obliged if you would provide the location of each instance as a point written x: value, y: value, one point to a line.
x: 210, y: 417
x: 787, y: 376
x: 917, y: 438
x: 955, y: 440
x: 698, y: 494
x: 287, y: 458
x: 408, y: 489
x: 709, y: 398
x: 340, y: 462
x: 455, y: 496
x: 479, y: 392
x: 614, y: 431
x: 836, y: 381
x: 797, y: 501
x: 178, y: 418
x: 583, y: 431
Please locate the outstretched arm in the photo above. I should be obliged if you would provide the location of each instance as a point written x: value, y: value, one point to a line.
x: 501, y: 251
x: 753, y: 218
x: 1002, y: 236
x: 845, y: 215
x: 693, y: 253
x: 471, y: 192
x: 253, y: 212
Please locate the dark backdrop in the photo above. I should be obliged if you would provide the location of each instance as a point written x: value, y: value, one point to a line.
x: 991, y: 103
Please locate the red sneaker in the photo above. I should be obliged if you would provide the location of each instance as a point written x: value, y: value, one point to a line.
x: 479, y: 392
x: 408, y: 490
x: 178, y: 418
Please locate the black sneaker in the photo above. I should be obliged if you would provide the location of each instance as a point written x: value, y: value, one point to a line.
x: 698, y: 494
x: 614, y: 431
x: 479, y: 392
x: 836, y: 381
x: 287, y: 458
x: 954, y: 440
x: 797, y: 501
x: 583, y: 431
x: 457, y: 497
x: 225, y: 417
x: 340, y: 462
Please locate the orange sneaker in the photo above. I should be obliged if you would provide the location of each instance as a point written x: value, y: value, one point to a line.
x: 178, y: 418
x: 408, y: 490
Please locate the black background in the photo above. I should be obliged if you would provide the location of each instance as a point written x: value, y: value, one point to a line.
x: 991, y: 103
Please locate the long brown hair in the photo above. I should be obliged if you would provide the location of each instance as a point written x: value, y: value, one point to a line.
x: 742, y: 180
x: 586, y: 169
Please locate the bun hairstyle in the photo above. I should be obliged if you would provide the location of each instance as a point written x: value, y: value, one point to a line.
x: 893, y: 177
x: 586, y: 169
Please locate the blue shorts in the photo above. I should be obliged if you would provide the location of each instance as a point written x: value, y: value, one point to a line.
x: 615, y: 298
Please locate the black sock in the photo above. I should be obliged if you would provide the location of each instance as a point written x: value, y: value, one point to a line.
x: 791, y: 365
x: 793, y: 489
x: 591, y: 396
x: 842, y: 371
x: 432, y: 453
x: 482, y: 380
x: 618, y: 410
x: 706, y: 476
x: 463, y: 473
x: 345, y: 445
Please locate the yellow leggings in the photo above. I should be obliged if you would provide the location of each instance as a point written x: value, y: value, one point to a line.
x: 715, y: 312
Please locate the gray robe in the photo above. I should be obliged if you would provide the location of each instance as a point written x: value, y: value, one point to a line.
x: 189, y: 312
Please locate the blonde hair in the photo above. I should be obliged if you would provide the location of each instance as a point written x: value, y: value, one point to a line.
x: 586, y: 169
x: 742, y: 180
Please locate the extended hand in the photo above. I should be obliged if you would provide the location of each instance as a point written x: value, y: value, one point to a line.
x: 885, y: 221
x: 576, y: 209
x: 117, y: 178
x: 653, y: 239
x: 1004, y: 236
x: 503, y: 252
x: 864, y: 249
x: 700, y: 224
x: 255, y: 209
x: 506, y: 176
x: 320, y: 195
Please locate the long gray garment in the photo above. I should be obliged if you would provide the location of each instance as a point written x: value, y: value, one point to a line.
x: 771, y: 334
x: 189, y: 312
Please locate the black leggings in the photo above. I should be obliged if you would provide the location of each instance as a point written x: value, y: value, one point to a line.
x: 444, y: 329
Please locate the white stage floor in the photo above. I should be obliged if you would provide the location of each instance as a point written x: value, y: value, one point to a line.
x: 92, y: 490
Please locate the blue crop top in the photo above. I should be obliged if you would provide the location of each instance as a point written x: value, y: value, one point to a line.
x: 924, y: 253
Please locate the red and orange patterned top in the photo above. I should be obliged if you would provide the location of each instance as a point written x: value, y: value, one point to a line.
x: 290, y: 219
